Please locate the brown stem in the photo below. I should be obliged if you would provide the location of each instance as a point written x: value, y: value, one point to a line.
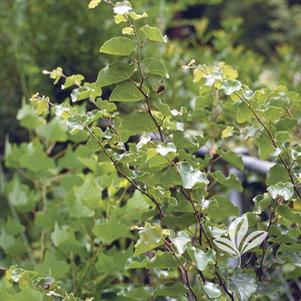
x: 182, y: 270
x: 263, y: 248
x: 124, y: 175
x: 288, y: 169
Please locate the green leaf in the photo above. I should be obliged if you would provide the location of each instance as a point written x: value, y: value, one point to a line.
x: 154, y: 67
x: 289, y: 214
x: 28, y: 117
x: 265, y: 147
x: 231, y: 181
x: 64, y: 239
x: 54, y: 131
x: 231, y: 86
x: 153, y: 34
x: 120, y: 46
x: 137, y: 123
x: 111, y: 230
x: 284, y: 190
x: 72, y: 80
x: 34, y: 159
x: 220, y: 209
x: 212, y: 290
x: 150, y: 238
x: 232, y: 158
x: 113, y: 261
x: 28, y: 294
x: 243, y: 113
x: 126, y: 92
x: 20, y: 196
x: 114, y: 73
x: 203, y: 259
x: 245, y: 285
x: 190, y: 176
x: 52, y: 266
x: 227, y: 132
x: 181, y: 241
x: 276, y: 174
x: 175, y: 290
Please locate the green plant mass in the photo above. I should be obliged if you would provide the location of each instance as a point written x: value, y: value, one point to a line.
x: 174, y: 174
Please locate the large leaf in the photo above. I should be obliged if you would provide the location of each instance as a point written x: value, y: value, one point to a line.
x: 120, y: 46
x: 155, y: 67
x: 114, y: 73
x: 153, y: 34
x: 150, y: 238
x: 126, y: 92
x: 137, y: 123
x: 110, y: 231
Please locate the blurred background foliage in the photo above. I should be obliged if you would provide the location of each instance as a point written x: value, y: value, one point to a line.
x: 260, y: 38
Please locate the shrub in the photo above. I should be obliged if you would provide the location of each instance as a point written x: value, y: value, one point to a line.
x: 111, y: 205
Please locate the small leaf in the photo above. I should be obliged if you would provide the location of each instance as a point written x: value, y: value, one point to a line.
x: 126, y: 92
x: 94, y: 3
x: 153, y: 34
x: 119, y: 46
x: 136, y: 16
x: 198, y: 74
x: 231, y: 86
x: 284, y: 190
x: 227, y: 132
x: 122, y: 8
x: 128, y: 31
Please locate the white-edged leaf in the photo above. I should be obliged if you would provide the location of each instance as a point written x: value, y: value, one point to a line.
x: 226, y: 245
x: 212, y: 290
x: 244, y: 225
x: 232, y: 230
x: 181, y: 241
x: 251, y: 243
x: 122, y: 8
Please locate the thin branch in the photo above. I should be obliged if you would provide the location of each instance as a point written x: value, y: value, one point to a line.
x: 267, y: 230
x: 124, y: 175
x: 182, y: 268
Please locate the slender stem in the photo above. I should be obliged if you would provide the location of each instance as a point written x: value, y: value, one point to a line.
x: 182, y: 268
x: 270, y: 135
x: 267, y: 230
x: 124, y: 175
x: 142, y: 78
x: 287, y: 167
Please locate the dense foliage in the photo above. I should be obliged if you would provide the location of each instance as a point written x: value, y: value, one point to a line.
x: 123, y: 191
x: 217, y: 29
